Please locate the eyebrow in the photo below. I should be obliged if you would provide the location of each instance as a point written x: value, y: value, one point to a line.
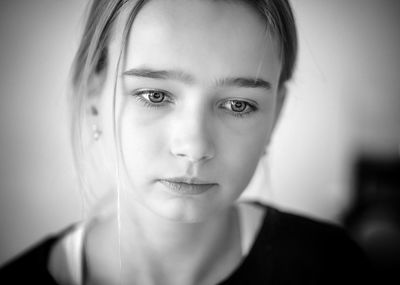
x: 243, y: 82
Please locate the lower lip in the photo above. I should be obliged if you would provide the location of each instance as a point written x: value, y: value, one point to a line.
x: 185, y: 188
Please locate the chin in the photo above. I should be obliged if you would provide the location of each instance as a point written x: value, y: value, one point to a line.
x: 182, y: 210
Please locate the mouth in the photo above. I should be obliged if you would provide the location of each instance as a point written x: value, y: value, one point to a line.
x: 187, y: 185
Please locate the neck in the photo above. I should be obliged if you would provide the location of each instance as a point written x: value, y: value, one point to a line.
x: 154, y: 248
x: 173, y: 237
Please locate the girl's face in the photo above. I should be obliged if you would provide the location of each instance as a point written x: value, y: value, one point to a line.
x: 196, y: 103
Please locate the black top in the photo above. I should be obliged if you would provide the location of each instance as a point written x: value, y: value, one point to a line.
x: 289, y: 249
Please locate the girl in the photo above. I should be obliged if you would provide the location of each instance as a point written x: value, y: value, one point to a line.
x: 176, y: 101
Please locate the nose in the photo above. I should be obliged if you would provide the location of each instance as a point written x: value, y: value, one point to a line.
x: 192, y: 137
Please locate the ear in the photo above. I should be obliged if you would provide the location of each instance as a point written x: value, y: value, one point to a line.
x: 93, y: 104
x: 96, y: 82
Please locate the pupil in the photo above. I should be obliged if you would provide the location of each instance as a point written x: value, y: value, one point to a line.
x: 238, y: 106
x: 156, y: 97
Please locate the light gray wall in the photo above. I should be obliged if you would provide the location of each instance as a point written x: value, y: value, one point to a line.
x: 345, y: 99
x: 38, y: 193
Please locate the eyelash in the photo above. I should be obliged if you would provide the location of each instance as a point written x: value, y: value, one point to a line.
x: 139, y: 96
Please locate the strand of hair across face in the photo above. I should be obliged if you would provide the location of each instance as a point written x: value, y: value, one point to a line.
x: 119, y: 226
x: 126, y: 31
x: 117, y: 167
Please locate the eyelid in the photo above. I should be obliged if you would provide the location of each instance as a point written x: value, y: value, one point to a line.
x: 144, y: 90
x: 141, y: 91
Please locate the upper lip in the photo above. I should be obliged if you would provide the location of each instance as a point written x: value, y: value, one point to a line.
x: 187, y: 180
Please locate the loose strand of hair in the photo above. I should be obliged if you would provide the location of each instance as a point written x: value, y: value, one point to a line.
x: 116, y: 135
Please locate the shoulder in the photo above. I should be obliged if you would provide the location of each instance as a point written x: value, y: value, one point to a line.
x: 291, y: 228
x: 308, y: 249
x: 296, y: 229
x: 301, y: 233
x: 32, y: 264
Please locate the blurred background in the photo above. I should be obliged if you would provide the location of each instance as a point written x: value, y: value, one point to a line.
x: 334, y: 156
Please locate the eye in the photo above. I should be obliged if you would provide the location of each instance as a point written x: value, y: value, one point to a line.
x: 153, y: 98
x: 239, y: 107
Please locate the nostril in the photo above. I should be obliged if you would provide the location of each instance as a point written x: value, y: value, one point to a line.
x: 194, y: 158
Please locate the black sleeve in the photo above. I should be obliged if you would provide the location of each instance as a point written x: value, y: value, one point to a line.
x: 30, y: 267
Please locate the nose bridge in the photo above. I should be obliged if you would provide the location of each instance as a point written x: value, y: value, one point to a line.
x: 192, y: 134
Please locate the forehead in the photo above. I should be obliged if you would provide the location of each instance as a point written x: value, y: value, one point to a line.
x: 208, y: 39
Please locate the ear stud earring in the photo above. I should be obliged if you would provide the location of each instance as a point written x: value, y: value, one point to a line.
x: 96, y: 132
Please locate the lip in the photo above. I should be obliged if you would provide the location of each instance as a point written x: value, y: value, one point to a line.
x: 187, y: 185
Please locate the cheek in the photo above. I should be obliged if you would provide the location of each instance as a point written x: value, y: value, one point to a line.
x: 141, y: 143
x: 241, y: 154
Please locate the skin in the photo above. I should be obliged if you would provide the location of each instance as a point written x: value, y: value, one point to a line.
x: 194, y: 131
